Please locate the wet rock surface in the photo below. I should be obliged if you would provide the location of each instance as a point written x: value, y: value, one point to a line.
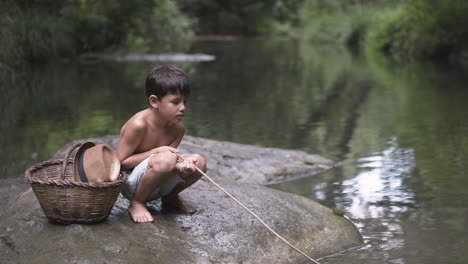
x: 219, y: 232
x: 242, y: 163
x: 10, y: 189
x: 237, y: 162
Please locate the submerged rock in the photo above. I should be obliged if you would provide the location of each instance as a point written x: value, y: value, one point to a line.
x: 219, y: 232
x: 150, y: 57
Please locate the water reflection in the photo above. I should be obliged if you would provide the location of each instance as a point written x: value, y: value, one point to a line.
x: 379, y: 186
x: 404, y: 172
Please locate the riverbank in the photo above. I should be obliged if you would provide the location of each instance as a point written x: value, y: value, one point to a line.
x: 38, y: 31
x: 401, y: 30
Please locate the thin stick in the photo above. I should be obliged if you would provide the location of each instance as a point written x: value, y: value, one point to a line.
x: 254, y: 215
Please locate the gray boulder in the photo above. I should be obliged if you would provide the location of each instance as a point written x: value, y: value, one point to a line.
x: 226, y: 160
x: 219, y: 232
x: 242, y: 163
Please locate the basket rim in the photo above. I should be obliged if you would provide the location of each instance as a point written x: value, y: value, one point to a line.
x: 33, y: 180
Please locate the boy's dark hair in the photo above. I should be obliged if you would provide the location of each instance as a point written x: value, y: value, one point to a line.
x: 165, y: 80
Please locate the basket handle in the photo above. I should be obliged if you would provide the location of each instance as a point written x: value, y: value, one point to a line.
x: 67, y: 156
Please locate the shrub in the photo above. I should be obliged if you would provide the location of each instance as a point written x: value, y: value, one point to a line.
x: 243, y: 17
x: 423, y: 29
x: 336, y: 21
x: 32, y: 35
x: 43, y: 29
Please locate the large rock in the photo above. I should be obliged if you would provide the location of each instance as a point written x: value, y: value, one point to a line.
x: 226, y: 160
x: 242, y: 163
x: 219, y: 232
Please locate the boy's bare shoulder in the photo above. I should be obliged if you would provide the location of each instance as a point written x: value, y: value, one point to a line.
x: 136, y: 123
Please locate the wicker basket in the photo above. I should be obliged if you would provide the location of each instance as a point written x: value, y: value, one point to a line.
x: 65, y: 201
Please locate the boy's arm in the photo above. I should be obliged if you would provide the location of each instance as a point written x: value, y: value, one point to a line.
x: 187, y: 166
x: 130, y: 138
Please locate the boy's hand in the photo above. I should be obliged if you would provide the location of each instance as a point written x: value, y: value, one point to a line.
x: 186, y: 167
x: 165, y: 148
x: 190, y: 159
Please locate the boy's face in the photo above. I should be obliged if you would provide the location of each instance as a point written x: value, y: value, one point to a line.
x: 172, y: 107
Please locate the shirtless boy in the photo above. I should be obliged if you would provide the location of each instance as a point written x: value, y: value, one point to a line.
x: 148, y: 144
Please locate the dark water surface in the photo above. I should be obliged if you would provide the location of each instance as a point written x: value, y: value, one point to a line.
x: 400, y: 131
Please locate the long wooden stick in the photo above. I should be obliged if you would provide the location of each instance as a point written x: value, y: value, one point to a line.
x: 254, y: 215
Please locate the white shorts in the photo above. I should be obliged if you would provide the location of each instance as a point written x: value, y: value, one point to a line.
x: 134, y: 177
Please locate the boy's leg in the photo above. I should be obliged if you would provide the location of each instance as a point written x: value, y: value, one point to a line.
x: 173, y: 199
x: 161, y: 166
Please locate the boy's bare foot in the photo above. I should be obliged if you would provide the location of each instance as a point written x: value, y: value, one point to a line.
x: 174, y: 201
x: 139, y: 213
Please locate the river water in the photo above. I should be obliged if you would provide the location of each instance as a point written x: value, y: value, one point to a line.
x: 399, y: 131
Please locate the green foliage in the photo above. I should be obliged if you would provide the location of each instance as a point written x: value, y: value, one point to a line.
x: 424, y: 29
x: 165, y: 27
x: 339, y: 212
x: 321, y: 23
x: 43, y: 29
x: 241, y: 16
x: 36, y: 30
x: 405, y: 29
x: 140, y: 23
x: 386, y: 25
x: 340, y: 22
x: 283, y: 19
x: 40, y: 30
x: 32, y: 35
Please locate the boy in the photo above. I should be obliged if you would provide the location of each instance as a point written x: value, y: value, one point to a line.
x: 148, y: 146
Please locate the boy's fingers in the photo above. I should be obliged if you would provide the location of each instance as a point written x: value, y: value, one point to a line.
x: 193, y: 168
x: 173, y: 149
x: 188, y: 168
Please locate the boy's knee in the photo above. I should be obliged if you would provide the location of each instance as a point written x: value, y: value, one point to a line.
x: 163, y: 162
x: 201, y: 162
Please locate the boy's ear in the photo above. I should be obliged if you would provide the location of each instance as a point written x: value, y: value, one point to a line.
x: 153, y: 100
